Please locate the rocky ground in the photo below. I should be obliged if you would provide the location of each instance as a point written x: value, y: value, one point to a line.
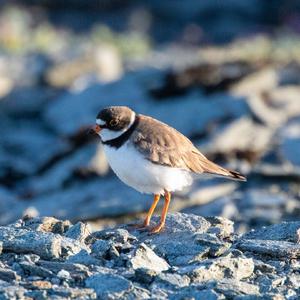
x: 238, y: 102
x: 193, y: 258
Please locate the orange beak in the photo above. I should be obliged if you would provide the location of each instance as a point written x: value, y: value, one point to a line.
x: 95, y: 129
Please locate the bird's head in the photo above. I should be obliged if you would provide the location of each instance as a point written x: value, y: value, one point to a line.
x: 112, y: 121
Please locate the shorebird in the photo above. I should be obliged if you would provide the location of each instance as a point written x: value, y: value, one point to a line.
x: 151, y: 156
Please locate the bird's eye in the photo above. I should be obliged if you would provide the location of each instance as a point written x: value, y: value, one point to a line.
x: 113, y: 123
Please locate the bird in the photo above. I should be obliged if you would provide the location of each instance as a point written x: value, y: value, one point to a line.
x: 151, y: 156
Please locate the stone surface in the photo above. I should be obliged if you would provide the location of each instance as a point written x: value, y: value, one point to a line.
x: 109, y: 286
x: 144, y: 257
x: 193, y: 257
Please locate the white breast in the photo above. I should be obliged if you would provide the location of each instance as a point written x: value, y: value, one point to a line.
x: 134, y: 170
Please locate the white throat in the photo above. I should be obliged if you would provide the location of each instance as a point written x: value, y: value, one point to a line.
x: 107, y: 134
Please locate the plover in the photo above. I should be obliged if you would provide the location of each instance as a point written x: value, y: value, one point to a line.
x: 151, y: 156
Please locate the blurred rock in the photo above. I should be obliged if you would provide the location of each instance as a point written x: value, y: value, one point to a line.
x: 210, y: 77
x: 28, y: 147
x: 289, y: 136
x: 237, y: 138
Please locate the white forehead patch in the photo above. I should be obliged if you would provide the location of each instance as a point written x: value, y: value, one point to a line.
x: 100, y: 122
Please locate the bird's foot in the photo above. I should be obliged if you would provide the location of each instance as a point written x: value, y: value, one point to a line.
x: 141, y: 227
x: 158, y: 228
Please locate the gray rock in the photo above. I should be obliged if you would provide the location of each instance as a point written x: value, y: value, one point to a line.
x: 31, y: 149
x: 232, y: 288
x: 219, y: 268
x: 197, y: 294
x: 35, y: 270
x: 108, y: 286
x: 47, y: 224
x: 279, y: 249
x: 286, y: 231
x: 104, y: 200
x: 144, y: 275
x: 289, y: 137
x: 216, y: 246
x: 222, y: 227
x: 238, y: 137
x: 177, y: 243
x: 8, y: 275
x: 100, y: 248
x: 46, y: 245
x: 80, y: 231
x: 73, y: 293
x: 144, y: 257
x: 56, y: 267
x: 61, y: 172
x: 12, y: 292
x: 84, y: 258
x: 170, y: 281
x: 118, y: 235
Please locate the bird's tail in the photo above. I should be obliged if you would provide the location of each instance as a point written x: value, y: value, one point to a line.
x: 217, y: 170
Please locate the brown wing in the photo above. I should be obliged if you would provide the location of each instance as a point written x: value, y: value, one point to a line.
x: 164, y: 145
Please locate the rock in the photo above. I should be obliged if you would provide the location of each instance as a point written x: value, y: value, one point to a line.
x: 237, y: 139
x: 289, y: 137
x: 222, y: 267
x: 194, y: 293
x: 256, y: 83
x: 12, y: 292
x: 216, y: 246
x: 100, y: 248
x: 35, y: 270
x: 47, y: 224
x: 276, y: 106
x: 176, y: 243
x: 40, y: 284
x: 75, y: 269
x: 80, y: 231
x: 73, y: 293
x: 93, y: 199
x: 144, y: 275
x: 170, y: 280
x: 279, y: 249
x: 61, y: 172
x: 144, y: 257
x: 231, y: 288
x: 8, y: 275
x: 30, y: 150
x: 109, y: 286
x: 84, y: 258
x: 119, y: 235
x: 46, y: 245
x: 286, y: 231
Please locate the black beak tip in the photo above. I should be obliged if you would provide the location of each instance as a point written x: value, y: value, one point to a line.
x: 90, y: 131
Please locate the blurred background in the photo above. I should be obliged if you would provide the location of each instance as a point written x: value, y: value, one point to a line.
x: 224, y: 73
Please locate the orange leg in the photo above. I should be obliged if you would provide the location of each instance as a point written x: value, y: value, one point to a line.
x: 151, y: 210
x: 161, y: 224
